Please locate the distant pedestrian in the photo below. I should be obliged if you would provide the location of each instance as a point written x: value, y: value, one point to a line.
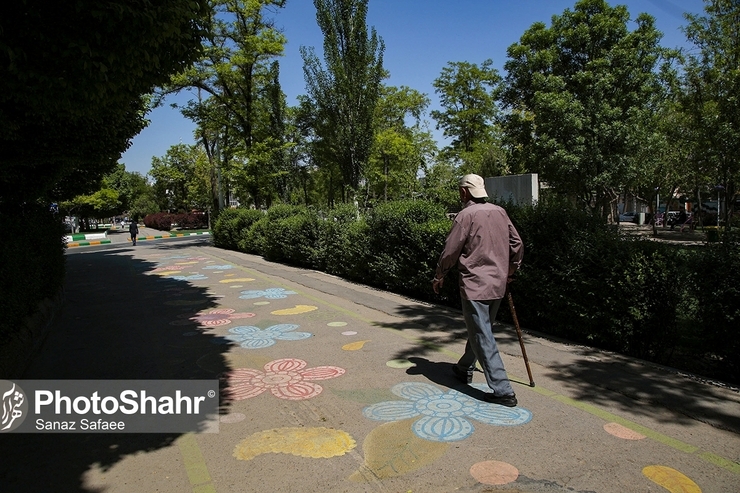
x: 133, y: 229
x: 487, y: 250
x: 681, y: 220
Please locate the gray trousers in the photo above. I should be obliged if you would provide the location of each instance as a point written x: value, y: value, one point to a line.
x: 481, y: 346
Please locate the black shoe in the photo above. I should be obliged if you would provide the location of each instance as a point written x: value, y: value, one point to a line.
x: 504, y: 400
x: 462, y: 375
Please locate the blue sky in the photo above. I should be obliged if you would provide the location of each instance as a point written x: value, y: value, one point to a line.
x: 421, y: 37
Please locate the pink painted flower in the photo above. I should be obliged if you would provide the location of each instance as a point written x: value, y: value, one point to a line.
x: 286, y: 378
x: 213, y: 318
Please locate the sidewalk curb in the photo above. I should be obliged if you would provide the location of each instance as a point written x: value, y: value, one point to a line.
x: 86, y: 236
x: 170, y: 235
x: 87, y: 243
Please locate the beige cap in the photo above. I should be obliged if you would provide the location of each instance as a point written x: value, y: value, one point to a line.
x: 475, y: 185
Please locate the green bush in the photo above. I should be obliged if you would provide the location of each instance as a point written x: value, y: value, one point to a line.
x: 33, y: 265
x: 406, y: 238
x: 582, y: 281
x: 344, y: 244
x: 716, y: 286
x: 232, y: 227
x: 293, y: 237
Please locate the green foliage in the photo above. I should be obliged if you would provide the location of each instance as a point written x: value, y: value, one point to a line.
x: 232, y: 226
x: 580, y: 94
x: 344, y: 92
x: 72, y: 80
x: 103, y: 203
x: 399, y: 151
x: 405, y: 241
x: 441, y: 186
x: 344, y: 243
x: 179, y: 182
x: 581, y: 281
x: 711, y: 94
x: 242, y: 113
x: 33, y: 273
x: 129, y: 185
x: 293, y: 236
x: 716, y: 285
x: 468, y: 95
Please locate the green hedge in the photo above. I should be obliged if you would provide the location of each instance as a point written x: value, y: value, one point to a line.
x: 580, y: 279
x: 715, y: 283
x: 344, y: 244
x: 232, y: 227
x: 405, y: 239
x: 32, y: 267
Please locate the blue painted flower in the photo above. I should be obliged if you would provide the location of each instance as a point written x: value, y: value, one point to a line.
x: 443, y: 415
x: 269, y: 293
x: 252, y: 337
x: 194, y: 277
x: 219, y: 267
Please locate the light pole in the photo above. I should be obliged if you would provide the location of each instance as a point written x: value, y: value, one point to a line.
x: 719, y: 188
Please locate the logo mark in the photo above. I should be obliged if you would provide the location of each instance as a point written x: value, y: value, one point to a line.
x: 13, y: 406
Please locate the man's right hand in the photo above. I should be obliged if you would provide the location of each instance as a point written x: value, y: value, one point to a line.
x: 436, y: 284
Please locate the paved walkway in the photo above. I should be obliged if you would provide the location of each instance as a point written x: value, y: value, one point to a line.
x: 363, y: 399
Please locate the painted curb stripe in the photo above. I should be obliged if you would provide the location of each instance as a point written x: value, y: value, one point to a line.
x: 709, y: 457
x: 171, y: 235
x: 720, y: 461
x: 195, y: 464
x: 607, y: 416
x: 86, y: 236
x: 87, y: 243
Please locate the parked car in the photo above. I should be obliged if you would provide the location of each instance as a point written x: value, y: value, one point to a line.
x: 628, y: 217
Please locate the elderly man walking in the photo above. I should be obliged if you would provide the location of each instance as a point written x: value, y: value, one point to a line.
x: 487, y: 250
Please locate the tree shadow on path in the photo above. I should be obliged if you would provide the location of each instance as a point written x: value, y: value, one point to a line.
x: 116, y: 323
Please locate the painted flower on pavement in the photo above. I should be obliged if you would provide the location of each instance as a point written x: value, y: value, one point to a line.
x: 269, y: 293
x: 167, y: 268
x: 255, y: 338
x: 443, y: 416
x: 213, y: 318
x: 286, y: 378
x: 219, y: 267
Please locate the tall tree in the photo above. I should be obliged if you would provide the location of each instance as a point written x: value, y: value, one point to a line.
x: 344, y: 93
x: 236, y: 72
x: 402, y: 145
x: 129, y: 185
x: 712, y: 93
x: 578, y: 93
x: 467, y: 94
x: 180, y: 178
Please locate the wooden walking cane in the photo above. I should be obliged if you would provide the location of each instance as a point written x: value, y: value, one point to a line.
x: 519, y: 334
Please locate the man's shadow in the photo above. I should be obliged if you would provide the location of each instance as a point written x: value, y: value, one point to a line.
x: 441, y: 374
